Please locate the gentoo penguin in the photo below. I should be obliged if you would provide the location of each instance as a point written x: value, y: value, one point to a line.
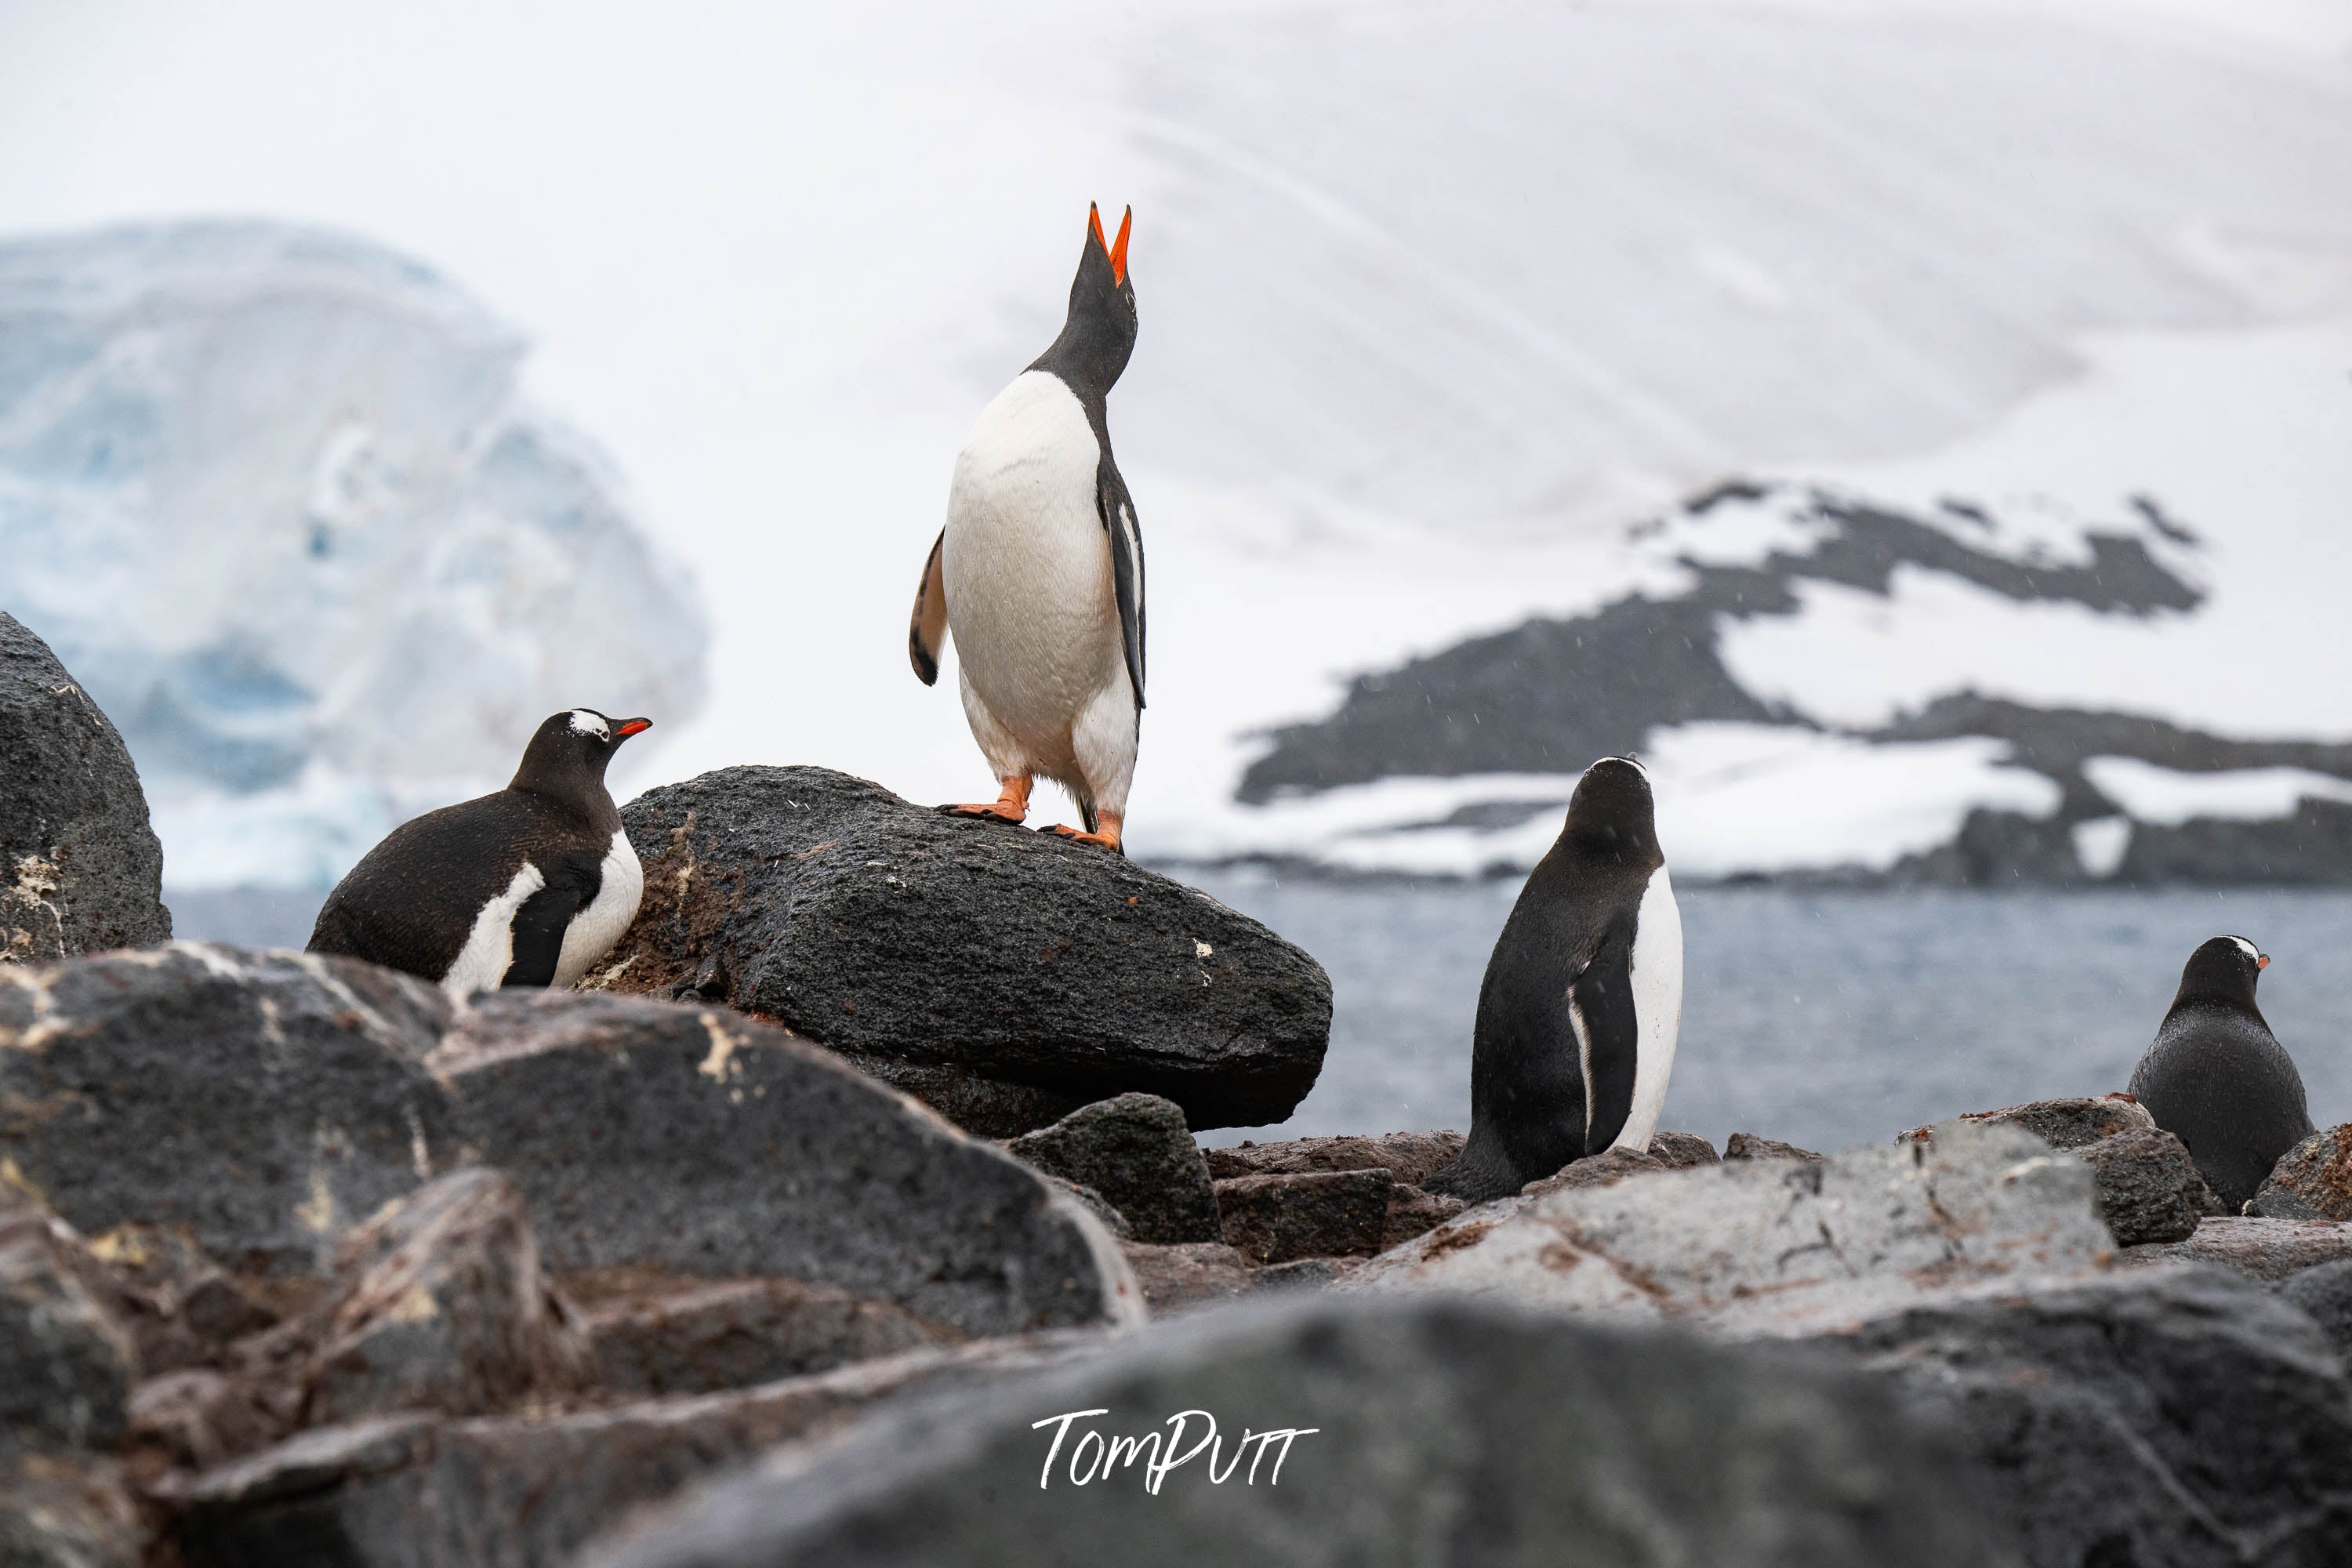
x: 1582, y: 999
x: 1039, y: 571
x: 2218, y: 1079
x: 527, y: 887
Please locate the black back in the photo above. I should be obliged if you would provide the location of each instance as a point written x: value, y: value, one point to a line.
x: 412, y: 900
x: 1098, y: 338
x: 2218, y: 1079
x: 1570, y: 935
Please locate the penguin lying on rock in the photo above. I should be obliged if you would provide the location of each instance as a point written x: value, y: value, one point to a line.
x: 1583, y: 1000
x: 2218, y: 1079
x: 527, y: 887
x: 1039, y: 571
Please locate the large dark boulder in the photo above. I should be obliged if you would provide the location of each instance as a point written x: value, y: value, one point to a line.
x: 266, y: 1101
x: 699, y: 1142
x: 1137, y: 1153
x: 966, y: 949
x: 80, y: 869
x: 1425, y: 1432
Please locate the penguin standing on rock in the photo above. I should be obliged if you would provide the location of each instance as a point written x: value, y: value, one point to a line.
x: 1582, y: 999
x: 1039, y: 571
x: 2218, y: 1079
x: 527, y: 887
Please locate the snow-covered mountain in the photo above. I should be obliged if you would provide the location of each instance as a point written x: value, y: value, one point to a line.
x: 273, y: 497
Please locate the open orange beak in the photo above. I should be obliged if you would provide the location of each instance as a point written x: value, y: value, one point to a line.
x: 1116, y: 251
x: 629, y: 727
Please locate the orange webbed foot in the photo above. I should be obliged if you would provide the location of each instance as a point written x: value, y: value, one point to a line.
x: 1108, y: 838
x: 1012, y: 806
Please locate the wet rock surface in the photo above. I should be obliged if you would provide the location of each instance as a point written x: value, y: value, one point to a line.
x: 2312, y: 1181
x: 882, y: 927
x: 2149, y: 1189
x: 80, y: 868
x: 1136, y: 1152
x: 1430, y: 1431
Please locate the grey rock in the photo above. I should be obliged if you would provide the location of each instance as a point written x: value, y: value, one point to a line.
x: 197, y: 1416
x: 2325, y: 1294
x: 703, y: 1336
x: 702, y: 1142
x: 66, y: 1362
x: 1749, y: 1146
x: 1753, y: 1247
x: 1425, y: 1433
x: 1682, y: 1151
x: 2149, y: 1189
x: 264, y: 1101
x: 1176, y: 1277
x: 67, y: 1510
x: 1408, y: 1157
x: 440, y: 1304
x: 1321, y: 1214
x: 2312, y: 1181
x: 1095, y: 1203
x: 2183, y: 1416
x: 80, y: 868
x: 1604, y: 1169
x: 829, y: 905
x: 983, y: 1106
x: 181, y: 1307
x: 2069, y: 1123
x: 1136, y: 1151
x: 2264, y: 1249
x: 1412, y: 1211
x: 1304, y: 1273
x: 524, y: 1491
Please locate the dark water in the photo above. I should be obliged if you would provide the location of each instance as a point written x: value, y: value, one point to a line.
x: 1826, y: 1019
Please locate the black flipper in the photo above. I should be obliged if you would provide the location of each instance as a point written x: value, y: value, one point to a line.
x: 1117, y: 510
x: 540, y: 924
x: 1601, y: 996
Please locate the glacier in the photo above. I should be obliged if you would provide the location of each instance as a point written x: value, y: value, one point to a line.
x: 274, y: 496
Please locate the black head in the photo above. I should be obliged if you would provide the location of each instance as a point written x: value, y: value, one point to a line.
x: 1099, y: 333
x: 2222, y: 970
x: 1612, y: 811
x: 568, y: 756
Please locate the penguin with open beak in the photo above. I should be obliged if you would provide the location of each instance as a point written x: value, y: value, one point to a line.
x: 1039, y: 572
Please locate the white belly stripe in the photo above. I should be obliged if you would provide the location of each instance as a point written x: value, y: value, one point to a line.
x: 1657, y: 1006
x: 594, y: 929
x: 483, y: 962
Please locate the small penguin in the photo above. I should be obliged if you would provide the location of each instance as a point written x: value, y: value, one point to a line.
x: 1583, y: 1000
x: 527, y: 887
x: 2218, y: 1079
x: 1039, y: 571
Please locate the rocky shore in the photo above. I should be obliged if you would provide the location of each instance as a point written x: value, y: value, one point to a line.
x: 856, y: 1214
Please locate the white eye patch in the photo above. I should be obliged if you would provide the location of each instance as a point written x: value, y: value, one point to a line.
x: 2253, y: 955
x: 586, y: 723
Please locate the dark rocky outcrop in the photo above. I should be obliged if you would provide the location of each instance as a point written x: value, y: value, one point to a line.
x: 266, y: 1101
x: 1609, y: 1166
x: 1409, y: 1157
x: 1321, y: 1214
x: 1682, y: 1151
x: 1190, y: 1274
x: 2312, y: 1181
x: 2149, y: 1188
x: 1136, y: 1152
x: 80, y: 869
x: 704, y: 1336
x: 886, y: 930
x: 1431, y: 1432
x: 691, y: 1139
x: 2265, y: 1249
x: 2325, y: 1295
x: 1749, y: 1146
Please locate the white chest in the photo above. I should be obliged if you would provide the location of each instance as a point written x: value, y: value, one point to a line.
x: 594, y: 929
x: 1027, y: 562
x: 1657, y: 1005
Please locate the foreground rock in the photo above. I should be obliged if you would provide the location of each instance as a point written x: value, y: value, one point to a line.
x: 2149, y: 1187
x: 80, y: 868
x: 521, y: 1492
x: 1010, y: 976
x: 269, y: 1102
x: 1432, y: 1432
x: 1135, y: 1151
x: 2312, y: 1181
x: 266, y: 1101
x: 2265, y: 1249
x: 1756, y: 1246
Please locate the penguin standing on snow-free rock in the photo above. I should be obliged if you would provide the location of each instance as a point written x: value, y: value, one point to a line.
x: 1582, y: 999
x: 1039, y: 571
x: 527, y: 887
x: 2218, y: 1079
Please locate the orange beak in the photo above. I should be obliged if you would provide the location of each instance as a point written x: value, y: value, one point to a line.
x: 629, y: 727
x: 1117, y: 253
x: 2261, y: 961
